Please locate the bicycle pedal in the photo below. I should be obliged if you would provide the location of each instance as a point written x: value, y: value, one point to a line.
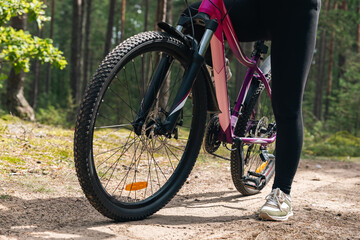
x: 257, y: 183
x: 255, y: 174
x: 259, y: 187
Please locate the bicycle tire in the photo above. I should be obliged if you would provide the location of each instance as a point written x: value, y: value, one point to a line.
x: 239, y: 167
x: 148, y: 153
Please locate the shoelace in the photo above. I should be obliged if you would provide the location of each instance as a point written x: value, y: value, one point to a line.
x: 276, y: 198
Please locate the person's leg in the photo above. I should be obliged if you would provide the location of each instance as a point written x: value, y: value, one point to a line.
x: 291, y: 26
x: 293, y: 34
x: 293, y: 42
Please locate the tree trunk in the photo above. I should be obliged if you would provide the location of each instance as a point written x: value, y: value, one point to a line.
x: 14, y: 98
x: 320, y: 77
x: 35, y: 83
x: 160, y: 13
x: 146, y: 18
x: 87, y: 45
x: 169, y: 12
x: 317, y: 111
x: 342, y: 57
x: 358, y: 30
x: 75, y: 67
x: 145, y: 63
x: 240, y: 70
x: 161, y: 16
x: 122, y: 26
x: 110, y: 26
x: 330, y: 67
x: 358, y: 51
x: 48, y: 72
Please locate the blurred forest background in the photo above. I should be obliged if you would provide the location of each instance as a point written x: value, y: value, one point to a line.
x: 84, y: 31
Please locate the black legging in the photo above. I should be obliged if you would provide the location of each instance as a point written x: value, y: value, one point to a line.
x: 291, y: 27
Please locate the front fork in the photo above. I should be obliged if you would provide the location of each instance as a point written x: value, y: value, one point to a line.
x: 152, y: 92
x: 167, y: 127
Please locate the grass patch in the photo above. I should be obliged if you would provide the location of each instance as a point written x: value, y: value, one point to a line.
x: 42, y: 189
x: 34, y: 147
x: 60, y: 132
x: 34, y: 184
x: 9, y: 118
x: 5, y: 197
x: 12, y: 160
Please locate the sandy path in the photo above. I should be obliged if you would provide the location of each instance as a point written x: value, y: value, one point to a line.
x: 326, y: 200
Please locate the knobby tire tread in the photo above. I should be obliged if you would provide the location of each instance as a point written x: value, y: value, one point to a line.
x: 240, y: 131
x: 83, y: 132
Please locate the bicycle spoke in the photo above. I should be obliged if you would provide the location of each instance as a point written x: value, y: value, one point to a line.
x: 125, y: 166
x: 122, y: 153
x: 114, y: 149
x: 169, y: 158
x: 137, y: 80
x: 137, y: 160
x: 146, y: 157
x: 126, y: 103
x: 115, y: 126
x: 124, y: 180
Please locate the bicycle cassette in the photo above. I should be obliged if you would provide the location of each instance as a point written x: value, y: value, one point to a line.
x: 212, y: 142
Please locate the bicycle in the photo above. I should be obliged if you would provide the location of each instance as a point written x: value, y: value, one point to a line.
x: 142, y: 120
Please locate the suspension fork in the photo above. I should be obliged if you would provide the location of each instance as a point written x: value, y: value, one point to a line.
x: 167, y: 127
x: 152, y: 92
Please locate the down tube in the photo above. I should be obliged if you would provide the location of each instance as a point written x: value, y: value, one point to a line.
x: 218, y: 57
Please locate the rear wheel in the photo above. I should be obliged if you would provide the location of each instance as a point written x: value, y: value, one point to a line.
x: 257, y: 120
x: 129, y: 172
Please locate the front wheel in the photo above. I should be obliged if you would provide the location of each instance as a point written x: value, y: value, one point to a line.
x: 129, y: 172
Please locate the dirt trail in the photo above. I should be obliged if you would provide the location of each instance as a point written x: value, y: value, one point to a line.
x: 326, y: 200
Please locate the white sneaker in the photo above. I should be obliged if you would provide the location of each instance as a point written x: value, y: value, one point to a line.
x: 277, y: 206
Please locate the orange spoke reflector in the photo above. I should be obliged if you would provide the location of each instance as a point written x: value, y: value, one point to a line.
x: 136, y: 186
x: 261, y: 167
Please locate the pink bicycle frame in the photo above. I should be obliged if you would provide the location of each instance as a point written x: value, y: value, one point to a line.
x: 225, y: 26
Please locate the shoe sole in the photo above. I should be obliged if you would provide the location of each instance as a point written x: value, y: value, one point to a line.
x: 266, y: 216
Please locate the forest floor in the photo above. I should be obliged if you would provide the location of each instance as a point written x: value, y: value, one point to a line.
x: 40, y: 198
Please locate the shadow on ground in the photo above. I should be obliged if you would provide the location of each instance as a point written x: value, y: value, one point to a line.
x: 74, y: 217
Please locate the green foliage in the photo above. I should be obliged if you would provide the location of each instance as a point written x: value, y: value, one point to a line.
x: 34, y: 9
x: 340, y: 26
x: 345, y: 138
x: 54, y: 116
x: 341, y: 144
x: 12, y: 160
x: 344, y: 110
x: 8, y: 117
x: 18, y: 47
x: 3, y: 77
